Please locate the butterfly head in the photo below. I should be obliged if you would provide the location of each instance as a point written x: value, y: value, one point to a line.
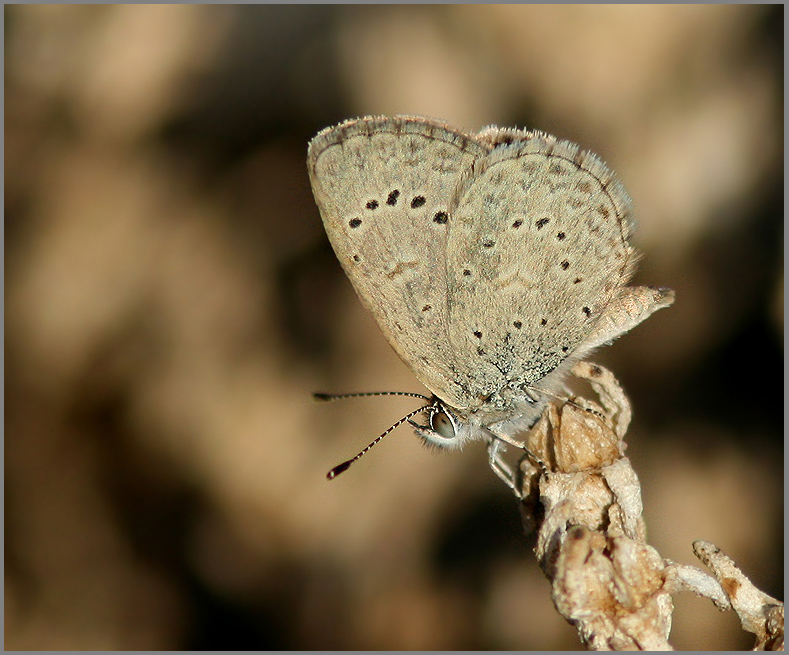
x: 446, y: 427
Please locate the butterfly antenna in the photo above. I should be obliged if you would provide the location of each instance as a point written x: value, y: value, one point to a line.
x: 328, y: 397
x: 344, y: 466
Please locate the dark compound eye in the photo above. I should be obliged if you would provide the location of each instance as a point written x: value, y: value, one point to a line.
x: 441, y: 217
x: 355, y: 222
x: 441, y: 424
x: 418, y: 201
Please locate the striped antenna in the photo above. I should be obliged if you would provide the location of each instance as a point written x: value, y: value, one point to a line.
x: 327, y: 397
x: 340, y: 468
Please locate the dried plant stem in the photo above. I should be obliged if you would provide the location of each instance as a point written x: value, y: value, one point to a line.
x: 606, y: 580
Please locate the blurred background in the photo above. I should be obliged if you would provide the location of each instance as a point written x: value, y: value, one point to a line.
x: 172, y: 302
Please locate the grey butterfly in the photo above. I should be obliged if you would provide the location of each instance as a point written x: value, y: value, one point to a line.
x: 492, y: 262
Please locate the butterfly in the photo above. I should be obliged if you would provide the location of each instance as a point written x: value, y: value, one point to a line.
x: 492, y: 262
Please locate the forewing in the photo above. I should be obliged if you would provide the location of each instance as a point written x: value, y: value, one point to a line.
x: 384, y: 187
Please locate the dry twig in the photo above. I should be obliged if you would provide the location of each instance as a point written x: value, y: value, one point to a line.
x: 606, y: 580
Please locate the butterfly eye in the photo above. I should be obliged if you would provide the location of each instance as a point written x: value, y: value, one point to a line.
x: 441, y: 423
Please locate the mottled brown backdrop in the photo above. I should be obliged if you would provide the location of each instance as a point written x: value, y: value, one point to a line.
x: 171, y: 302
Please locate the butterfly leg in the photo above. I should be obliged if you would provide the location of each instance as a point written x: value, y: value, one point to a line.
x: 496, y: 450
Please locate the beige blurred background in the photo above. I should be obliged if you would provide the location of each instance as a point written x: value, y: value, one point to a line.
x: 171, y: 303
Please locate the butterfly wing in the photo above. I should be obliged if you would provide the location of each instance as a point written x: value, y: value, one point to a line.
x: 491, y: 262
x: 384, y: 187
x: 537, y: 250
